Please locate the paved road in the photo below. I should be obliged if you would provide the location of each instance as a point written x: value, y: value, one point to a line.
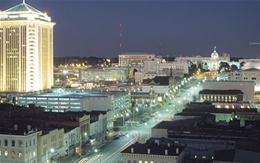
x: 110, y: 152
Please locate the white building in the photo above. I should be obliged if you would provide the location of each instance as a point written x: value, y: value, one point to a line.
x: 211, y: 63
x: 249, y: 72
x: 134, y: 58
x: 71, y: 138
x: 247, y: 87
x: 105, y: 74
x: 18, y: 146
x: 50, y: 145
x: 153, y: 153
x: 114, y: 103
x: 26, y: 49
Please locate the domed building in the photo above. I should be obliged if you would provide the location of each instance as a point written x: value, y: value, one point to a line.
x: 214, y: 62
x: 214, y: 54
x: 211, y: 63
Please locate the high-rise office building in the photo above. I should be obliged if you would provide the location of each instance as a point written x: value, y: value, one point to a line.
x: 26, y: 49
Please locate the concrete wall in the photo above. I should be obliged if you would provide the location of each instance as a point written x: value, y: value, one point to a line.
x: 158, y: 133
x: 247, y: 87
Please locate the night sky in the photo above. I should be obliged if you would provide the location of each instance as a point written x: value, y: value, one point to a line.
x: 91, y: 28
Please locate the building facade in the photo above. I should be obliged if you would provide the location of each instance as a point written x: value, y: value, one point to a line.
x: 50, y: 145
x: 211, y: 63
x: 247, y: 87
x: 105, y: 74
x: 26, y: 49
x: 133, y: 59
x: 18, y: 146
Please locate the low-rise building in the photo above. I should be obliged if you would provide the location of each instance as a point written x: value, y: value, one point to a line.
x: 18, y: 145
x: 50, y: 144
x: 247, y: 87
x: 221, y: 95
x: 152, y: 152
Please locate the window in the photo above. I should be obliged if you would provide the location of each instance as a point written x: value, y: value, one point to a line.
x: 6, y: 142
x: 20, y: 143
x: 26, y: 156
x: 13, y: 154
x: 13, y: 143
x: 20, y: 155
x: 6, y: 153
x: 128, y: 161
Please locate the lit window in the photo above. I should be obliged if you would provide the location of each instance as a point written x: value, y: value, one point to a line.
x: 204, y: 157
x: 195, y: 156
x: 13, y: 154
x: 6, y: 153
x: 20, y: 155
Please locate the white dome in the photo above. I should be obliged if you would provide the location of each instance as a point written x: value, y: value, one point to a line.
x: 214, y: 54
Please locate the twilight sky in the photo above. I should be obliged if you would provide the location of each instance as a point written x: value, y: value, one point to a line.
x: 183, y: 27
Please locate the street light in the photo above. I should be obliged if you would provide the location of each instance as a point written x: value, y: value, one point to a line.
x: 47, y: 153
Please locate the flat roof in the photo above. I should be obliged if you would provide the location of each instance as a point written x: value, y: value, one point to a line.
x: 155, y: 149
x: 74, y: 94
x: 224, y: 92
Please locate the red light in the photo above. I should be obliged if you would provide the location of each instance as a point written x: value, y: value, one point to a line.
x: 120, y: 25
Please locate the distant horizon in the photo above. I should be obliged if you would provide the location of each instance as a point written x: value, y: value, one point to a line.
x: 187, y: 28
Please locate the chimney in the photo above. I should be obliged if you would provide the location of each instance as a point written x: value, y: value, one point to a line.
x: 166, y: 152
x: 29, y: 127
x: 177, y: 150
x: 148, y: 151
x: 15, y: 126
x: 132, y: 150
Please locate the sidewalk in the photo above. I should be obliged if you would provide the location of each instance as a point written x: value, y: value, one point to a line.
x: 76, y: 158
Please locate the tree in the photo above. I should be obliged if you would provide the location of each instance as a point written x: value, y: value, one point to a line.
x: 224, y: 66
x: 233, y: 67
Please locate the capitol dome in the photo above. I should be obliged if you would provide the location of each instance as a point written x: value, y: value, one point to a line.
x: 214, y: 54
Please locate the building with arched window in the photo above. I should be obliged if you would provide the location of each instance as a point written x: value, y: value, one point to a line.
x: 18, y: 145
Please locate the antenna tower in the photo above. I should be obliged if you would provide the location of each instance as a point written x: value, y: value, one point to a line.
x: 120, y: 37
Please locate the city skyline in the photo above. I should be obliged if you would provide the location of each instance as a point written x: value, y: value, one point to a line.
x: 181, y: 27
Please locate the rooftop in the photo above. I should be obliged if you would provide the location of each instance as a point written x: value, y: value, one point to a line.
x: 223, y: 92
x: 155, y: 149
x: 23, y: 7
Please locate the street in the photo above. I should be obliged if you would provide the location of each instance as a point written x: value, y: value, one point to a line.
x: 110, y: 152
